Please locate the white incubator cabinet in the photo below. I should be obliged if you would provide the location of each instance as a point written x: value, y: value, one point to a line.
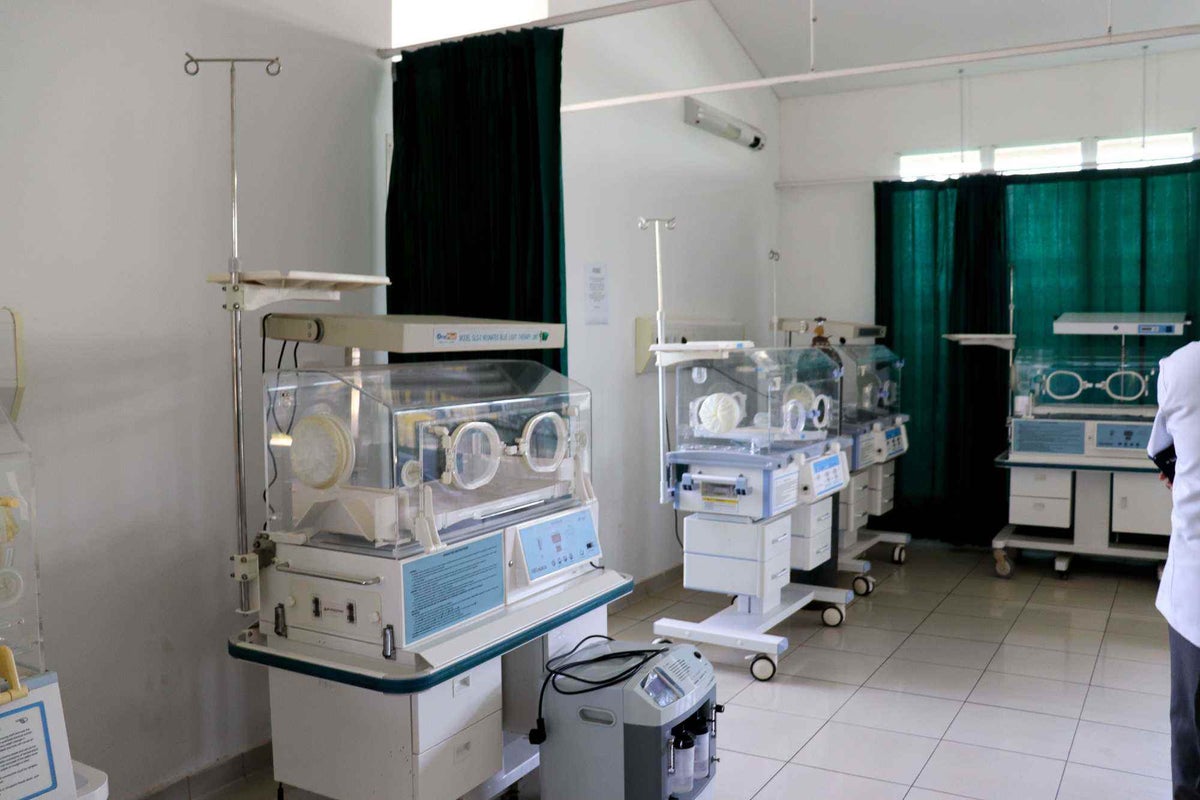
x: 432, y: 539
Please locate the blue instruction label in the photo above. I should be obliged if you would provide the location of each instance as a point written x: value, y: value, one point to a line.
x: 446, y: 588
x: 1048, y: 436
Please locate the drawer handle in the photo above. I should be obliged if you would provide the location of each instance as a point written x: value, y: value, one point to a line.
x: 341, y: 577
x: 1039, y: 506
x: 461, y: 684
x: 781, y: 538
x: 780, y: 574
x: 462, y: 752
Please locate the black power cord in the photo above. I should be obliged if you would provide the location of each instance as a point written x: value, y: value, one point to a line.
x: 554, y: 672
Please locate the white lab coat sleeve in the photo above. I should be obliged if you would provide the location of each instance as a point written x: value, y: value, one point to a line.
x: 1160, y: 434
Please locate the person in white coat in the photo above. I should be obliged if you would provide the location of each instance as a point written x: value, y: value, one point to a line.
x: 1178, y: 424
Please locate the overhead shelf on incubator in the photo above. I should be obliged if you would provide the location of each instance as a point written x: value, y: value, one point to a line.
x: 266, y: 287
x: 1003, y: 341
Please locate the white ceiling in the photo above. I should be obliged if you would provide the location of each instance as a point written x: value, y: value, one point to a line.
x: 849, y: 33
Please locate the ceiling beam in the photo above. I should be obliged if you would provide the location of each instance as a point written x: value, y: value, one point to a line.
x: 897, y: 66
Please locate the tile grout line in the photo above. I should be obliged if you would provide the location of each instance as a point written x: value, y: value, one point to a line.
x: 848, y: 699
x: 941, y: 738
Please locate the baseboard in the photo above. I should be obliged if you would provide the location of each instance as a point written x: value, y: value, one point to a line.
x: 646, y: 587
x: 216, y: 776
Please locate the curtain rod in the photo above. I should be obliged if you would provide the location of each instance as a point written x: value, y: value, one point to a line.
x: 557, y: 21
x: 897, y: 66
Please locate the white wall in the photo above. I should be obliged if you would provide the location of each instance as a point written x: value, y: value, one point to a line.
x: 113, y: 208
x: 827, y: 230
x: 619, y: 164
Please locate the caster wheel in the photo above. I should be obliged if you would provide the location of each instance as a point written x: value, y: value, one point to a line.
x: 279, y: 792
x: 832, y: 617
x: 862, y: 585
x: 762, y: 668
x: 1004, y: 566
x: 1061, y: 574
x: 1159, y: 571
x: 899, y: 554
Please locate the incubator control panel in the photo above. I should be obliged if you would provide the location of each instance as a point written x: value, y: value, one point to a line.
x: 559, y: 542
x: 895, y: 441
x: 828, y: 475
x: 1123, y: 436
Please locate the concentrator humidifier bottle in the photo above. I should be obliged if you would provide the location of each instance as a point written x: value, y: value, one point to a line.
x: 697, y: 726
x: 685, y: 764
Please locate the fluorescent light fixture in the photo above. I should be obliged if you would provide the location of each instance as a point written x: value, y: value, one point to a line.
x: 717, y: 122
x: 939, y: 166
x: 1169, y: 148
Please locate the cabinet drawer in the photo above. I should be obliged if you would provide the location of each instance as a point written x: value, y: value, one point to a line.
x: 449, y: 707
x: 882, y: 476
x: 810, y: 552
x: 852, y: 521
x: 881, y: 502
x: 1028, y: 482
x: 813, y: 519
x: 735, y: 538
x: 707, y: 573
x: 462, y: 762
x: 1140, y: 504
x: 1045, y: 511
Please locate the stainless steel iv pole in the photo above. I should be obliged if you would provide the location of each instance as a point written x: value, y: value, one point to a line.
x: 233, y: 304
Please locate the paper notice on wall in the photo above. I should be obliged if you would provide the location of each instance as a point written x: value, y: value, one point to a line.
x: 596, y: 309
x: 26, y: 763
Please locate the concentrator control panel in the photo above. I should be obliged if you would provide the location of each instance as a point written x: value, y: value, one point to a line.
x: 660, y: 689
x: 551, y: 545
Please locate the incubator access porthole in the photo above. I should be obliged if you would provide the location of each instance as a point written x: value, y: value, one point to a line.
x: 1063, y: 384
x: 544, y: 441
x: 868, y: 397
x: 822, y: 411
x: 794, y: 415
x: 1125, y: 385
x: 885, y: 394
x: 474, y: 455
x: 12, y: 587
x: 322, y: 453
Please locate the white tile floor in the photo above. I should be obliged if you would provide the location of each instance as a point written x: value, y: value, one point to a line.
x: 947, y: 683
x: 951, y: 683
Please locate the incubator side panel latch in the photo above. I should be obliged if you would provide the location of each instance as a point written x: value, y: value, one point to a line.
x: 389, y: 642
x: 280, y: 620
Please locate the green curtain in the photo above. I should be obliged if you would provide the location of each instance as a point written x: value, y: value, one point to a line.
x: 1120, y: 240
x: 474, y: 212
x: 939, y: 269
x: 1103, y: 241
